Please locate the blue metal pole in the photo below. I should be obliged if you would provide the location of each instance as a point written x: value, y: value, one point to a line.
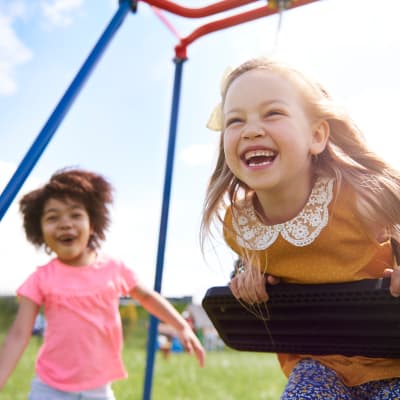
x: 44, y: 137
x: 152, y: 337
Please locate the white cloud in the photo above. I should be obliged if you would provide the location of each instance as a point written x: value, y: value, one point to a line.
x: 14, y: 9
x: 60, y: 13
x: 198, y: 154
x: 12, y: 51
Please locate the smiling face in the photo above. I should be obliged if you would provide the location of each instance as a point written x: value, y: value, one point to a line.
x: 268, y: 136
x: 66, y: 230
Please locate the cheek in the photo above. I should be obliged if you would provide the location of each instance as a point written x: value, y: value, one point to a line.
x: 229, y: 145
x: 88, y: 226
x: 228, y: 152
x: 44, y: 228
x: 85, y: 224
x: 46, y: 233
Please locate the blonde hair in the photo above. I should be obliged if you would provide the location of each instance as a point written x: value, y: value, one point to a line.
x: 346, y: 157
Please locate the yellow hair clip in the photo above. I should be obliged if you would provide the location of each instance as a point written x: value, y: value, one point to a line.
x: 215, y: 120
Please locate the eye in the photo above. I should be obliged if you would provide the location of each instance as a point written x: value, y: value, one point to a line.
x: 50, y: 218
x: 77, y: 215
x: 273, y: 113
x: 233, y: 120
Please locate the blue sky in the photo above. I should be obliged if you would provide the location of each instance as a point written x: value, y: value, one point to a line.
x: 118, y: 126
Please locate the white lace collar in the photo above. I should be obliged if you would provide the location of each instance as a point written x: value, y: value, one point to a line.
x: 299, y: 231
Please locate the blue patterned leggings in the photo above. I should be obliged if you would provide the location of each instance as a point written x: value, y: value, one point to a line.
x: 310, y: 380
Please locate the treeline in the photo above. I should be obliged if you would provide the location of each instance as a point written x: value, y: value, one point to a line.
x: 134, y: 317
x: 8, y: 308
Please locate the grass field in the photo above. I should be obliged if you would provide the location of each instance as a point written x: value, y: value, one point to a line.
x: 228, y: 375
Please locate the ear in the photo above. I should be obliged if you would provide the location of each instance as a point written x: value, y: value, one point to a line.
x: 320, y: 137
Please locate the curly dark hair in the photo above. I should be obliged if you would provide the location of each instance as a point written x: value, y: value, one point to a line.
x: 89, y: 188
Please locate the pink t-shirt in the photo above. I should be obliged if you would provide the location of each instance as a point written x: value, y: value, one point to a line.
x: 83, y: 339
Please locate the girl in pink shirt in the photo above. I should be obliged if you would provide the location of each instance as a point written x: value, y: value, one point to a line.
x: 79, y: 290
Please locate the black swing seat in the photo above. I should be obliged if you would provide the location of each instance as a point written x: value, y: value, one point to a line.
x: 355, y: 318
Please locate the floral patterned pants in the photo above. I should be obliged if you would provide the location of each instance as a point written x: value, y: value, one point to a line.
x: 310, y: 380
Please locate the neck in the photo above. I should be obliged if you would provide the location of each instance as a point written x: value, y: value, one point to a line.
x: 86, y: 258
x: 282, y: 205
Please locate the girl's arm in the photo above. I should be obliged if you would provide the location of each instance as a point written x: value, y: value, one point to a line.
x: 157, y: 305
x: 17, y: 338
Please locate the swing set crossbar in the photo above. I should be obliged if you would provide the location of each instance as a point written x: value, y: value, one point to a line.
x: 269, y: 8
x: 355, y: 318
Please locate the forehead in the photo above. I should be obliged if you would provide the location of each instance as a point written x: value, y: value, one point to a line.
x: 257, y: 86
x: 55, y: 204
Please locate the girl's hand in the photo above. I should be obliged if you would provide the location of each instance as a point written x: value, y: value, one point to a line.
x: 160, y: 307
x: 249, y: 285
x: 191, y: 344
x: 394, y: 275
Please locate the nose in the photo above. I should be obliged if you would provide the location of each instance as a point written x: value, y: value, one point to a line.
x: 252, y: 131
x: 65, y: 222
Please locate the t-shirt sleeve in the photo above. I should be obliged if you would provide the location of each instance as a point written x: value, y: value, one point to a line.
x: 31, y: 289
x: 129, y: 279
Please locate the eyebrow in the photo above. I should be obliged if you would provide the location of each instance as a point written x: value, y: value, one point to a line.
x: 71, y: 207
x: 263, y: 104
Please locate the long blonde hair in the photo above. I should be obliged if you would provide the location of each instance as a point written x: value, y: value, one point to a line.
x: 346, y: 157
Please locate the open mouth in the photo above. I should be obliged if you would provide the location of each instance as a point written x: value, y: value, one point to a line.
x: 66, y: 239
x: 257, y: 158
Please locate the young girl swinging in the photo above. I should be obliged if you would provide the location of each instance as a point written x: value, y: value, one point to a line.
x: 302, y: 199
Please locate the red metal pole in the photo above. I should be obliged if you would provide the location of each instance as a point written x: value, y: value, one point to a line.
x: 206, y: 11
x: 180, y: 49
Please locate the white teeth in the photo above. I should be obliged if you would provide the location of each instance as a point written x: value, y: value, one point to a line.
x: 258, y: 153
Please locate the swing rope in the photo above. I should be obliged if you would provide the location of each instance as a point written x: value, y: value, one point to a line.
x: 166, y: 22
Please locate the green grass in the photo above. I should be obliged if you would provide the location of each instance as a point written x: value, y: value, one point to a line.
x: 228, y: 375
